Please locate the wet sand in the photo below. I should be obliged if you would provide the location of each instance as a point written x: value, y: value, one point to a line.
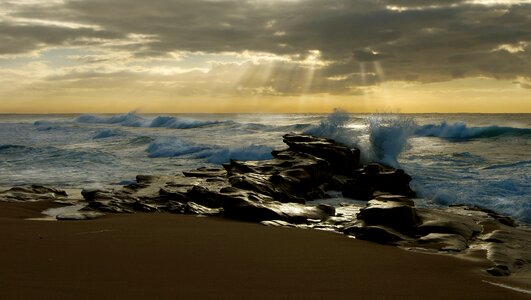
x: 162, y: 256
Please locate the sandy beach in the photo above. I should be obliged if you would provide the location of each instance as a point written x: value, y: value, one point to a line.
x: 163, y: 256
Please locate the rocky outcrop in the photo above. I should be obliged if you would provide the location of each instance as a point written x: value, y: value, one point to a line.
x: 32, y: 193
x: 396, y: 215
x: 278, y: 191
x: 274, y: 189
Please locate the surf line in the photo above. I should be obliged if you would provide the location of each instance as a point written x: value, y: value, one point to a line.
x: 516, y: 289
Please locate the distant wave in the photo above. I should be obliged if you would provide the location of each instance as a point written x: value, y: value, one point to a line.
x: 462, y: 131
x: 129, y: 119
x: 141, y: 140
x: 179, y: 123
x: 9, y: 147
x: 134, y: 120
x: 53, y: 155
x: 171, y: 147
x: 107, y: 133
x: 252, y: 152
x: 512, y: 165
x: 45, y: 125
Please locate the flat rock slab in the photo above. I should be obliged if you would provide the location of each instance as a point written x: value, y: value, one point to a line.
x: 395, y: 215
x: 378, y: 234
x: 444, y: 242
x: 32, y: 193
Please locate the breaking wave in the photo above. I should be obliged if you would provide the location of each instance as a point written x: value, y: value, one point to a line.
x: 179, y: 123
x: 134, y: 120
x: 107, y: 133
x: 513, y: 165
x: 9, y: 147
x: 252, y: 152
x: 460, y: 131
x: 171, y: 147
x: 388, y: 137
x: 53, y: 155
x: 129, y: 119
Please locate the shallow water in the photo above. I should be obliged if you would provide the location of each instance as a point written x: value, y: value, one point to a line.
x: 454, y: 158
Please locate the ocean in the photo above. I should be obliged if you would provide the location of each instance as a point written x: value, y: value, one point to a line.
x: 473, y: 159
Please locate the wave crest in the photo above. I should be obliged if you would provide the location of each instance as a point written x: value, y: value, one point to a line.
x: 107, y: 133
x: 171, y: 147
x: 252, y: 152
x: 134, y: 120
x: 460, y: 130
x: 168, y: 147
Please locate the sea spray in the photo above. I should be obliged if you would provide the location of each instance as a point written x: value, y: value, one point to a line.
x: 335, y: 127
x: 388, y: 137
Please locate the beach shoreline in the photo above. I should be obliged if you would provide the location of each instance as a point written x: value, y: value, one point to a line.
x: 157, y: 255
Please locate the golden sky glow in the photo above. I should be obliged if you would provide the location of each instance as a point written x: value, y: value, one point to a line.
x: 265, y: 56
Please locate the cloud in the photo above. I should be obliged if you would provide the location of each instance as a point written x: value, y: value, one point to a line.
x: 362, y: 42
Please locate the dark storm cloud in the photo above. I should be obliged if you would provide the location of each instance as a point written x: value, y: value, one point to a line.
x: 16, y: 39
x: 417, y: 40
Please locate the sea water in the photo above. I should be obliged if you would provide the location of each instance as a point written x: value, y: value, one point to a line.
x: 474, y: 159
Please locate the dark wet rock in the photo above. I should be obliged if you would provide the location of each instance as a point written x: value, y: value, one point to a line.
x: 446, y: 226
x: 196, y: 209
x: 499, y: 271
x: 440, y: 222
x: 377, y: 233
x: 341, y: 158
x: 497, y: 236
x: 206, y: 172
x: 505, y: 220
x: 253, y: 207
x: 338, y: 220
x: 289, y: 177
x: 366, y: 182
x: 141, y: 206
x: 110, y: 201
x: 396, y: 198
x: 263, y: 184
x: 444, y: 242
x: 165, y: 195
x: 277, y: 223
x: 146, y: 179
x: 395, y: 215
x: 508, y: 248
x: 32, y: 193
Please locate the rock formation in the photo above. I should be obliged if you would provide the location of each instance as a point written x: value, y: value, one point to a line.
x: 279, y: 191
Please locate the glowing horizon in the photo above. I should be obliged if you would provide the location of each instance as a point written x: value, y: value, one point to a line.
x: 231, y: 56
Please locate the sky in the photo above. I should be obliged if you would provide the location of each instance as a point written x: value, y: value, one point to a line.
x: 216, y: 56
